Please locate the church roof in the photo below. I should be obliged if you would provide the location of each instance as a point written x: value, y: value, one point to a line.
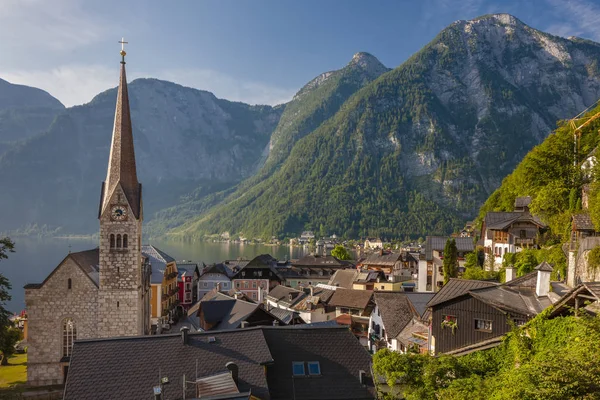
x: 121, y: 163
x: 87, y: 260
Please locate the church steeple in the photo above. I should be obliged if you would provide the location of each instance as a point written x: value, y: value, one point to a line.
x: 121, y: 163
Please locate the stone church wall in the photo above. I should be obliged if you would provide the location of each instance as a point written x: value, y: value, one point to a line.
x: 47, y: 308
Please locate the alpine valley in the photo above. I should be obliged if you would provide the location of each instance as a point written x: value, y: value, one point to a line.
x: 364, y: 150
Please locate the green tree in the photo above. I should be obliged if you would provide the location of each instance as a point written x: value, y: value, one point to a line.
x: 7, y: 334
x: 6, y: 246
x: 8, y: 338
x: 341, y: 253
x: 526, y: 262
x: 450, y: 264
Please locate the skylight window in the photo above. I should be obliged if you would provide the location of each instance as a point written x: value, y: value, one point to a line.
x: 298, y: 368
x: 314, y: 368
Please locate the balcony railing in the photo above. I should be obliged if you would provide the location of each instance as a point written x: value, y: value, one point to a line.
x: 528, y: 241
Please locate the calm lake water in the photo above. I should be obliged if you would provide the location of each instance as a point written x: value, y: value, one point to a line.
x: 34, y: 259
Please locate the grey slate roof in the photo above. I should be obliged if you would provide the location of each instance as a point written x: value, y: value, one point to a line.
x: 127, y: 368
x: 521, y: 202
x: 87, y: 260
x: 419, y: 301
x: 583, y: 222
x: 502, y: 220
x: 226, y: 312
x: 438, y: 243
x: 351, y: 298
x: 158, y: 261
x: 340, y: 357
x: 544, y: 266
x: 315, y: 260
x: 281, y: 294
x: 520, y: 300
x: 456, y: 288
x: 386, y: 259
x: 286, y: 316
x: 396, y: 311
x: 343, y: 278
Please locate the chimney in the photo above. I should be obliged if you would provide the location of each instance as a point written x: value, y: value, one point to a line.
x: 184, y: 334
x: 244, y: 324
x: 311, y: 291
x: 236, y: 295
x: 290, y: 298
x: 275, y: 323
x: 361, y: 376
x: 510, y: 273
x: 218, y: 286
x: 542, y: 287
x: 233, y: 369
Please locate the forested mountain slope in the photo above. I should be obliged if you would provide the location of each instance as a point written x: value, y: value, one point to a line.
x: 419, y: 149
x: 316, y: 102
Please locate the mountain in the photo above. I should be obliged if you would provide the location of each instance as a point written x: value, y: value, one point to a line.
x: 184, y: 139
x: 316, y: 102
x: 420, y: 148
x: 24, y: 111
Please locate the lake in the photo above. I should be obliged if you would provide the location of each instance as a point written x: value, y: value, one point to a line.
x: 34, y: 259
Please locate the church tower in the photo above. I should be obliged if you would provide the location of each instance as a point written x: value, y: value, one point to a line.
x: 123, y: 297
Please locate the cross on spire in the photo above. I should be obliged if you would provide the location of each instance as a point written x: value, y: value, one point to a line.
x: 123, y: 53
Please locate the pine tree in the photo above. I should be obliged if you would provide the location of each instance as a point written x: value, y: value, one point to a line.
x: 450, y: 265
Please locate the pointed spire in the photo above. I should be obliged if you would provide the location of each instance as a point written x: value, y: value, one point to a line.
x: 121, y: 163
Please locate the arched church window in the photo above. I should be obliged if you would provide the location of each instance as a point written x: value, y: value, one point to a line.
x: 69, y: 283
x: 124, y: 241
x: 112, y: 241
x: 69, y: 336
x: 118, y: 241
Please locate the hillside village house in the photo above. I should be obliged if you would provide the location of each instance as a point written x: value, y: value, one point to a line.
x: 396, y: 266
x: 509, y: 232
x: 258, y: 277
x: 192, y: 269
x: 373, y: 244
x: 311, y: 304
x: 469, y: 315
x: 311, y: 270
x: 159, y: 297
x: 218, y: 311
x: 215, y: 275
x: 395, y: 322
x: 431, y: 272
x: 353, y: 308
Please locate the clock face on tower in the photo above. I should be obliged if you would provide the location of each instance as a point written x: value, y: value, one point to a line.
x: 119, y: 213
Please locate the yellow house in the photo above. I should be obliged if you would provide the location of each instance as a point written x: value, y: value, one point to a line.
x: 163, y: 290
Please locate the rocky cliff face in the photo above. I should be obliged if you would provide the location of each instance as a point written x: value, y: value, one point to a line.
x: 419, y: 149
x: 184, y: 138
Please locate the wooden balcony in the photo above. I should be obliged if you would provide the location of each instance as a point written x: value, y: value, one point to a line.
x: 524, y: 241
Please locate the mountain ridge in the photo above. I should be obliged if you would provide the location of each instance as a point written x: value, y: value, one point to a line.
x: 444, y: 127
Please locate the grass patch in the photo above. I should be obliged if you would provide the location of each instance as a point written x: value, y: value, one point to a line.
x: 15, y: 373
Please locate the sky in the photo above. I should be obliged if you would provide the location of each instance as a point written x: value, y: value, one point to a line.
x: 258, y: 52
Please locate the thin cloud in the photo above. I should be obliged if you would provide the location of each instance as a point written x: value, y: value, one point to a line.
x: 581, y: 18
x: 228, y: 87
x: 78, y: 84
x: 58, y: 25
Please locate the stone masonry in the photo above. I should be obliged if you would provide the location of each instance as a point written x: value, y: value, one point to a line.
x: 48, y: 306
x: 120, y: 298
